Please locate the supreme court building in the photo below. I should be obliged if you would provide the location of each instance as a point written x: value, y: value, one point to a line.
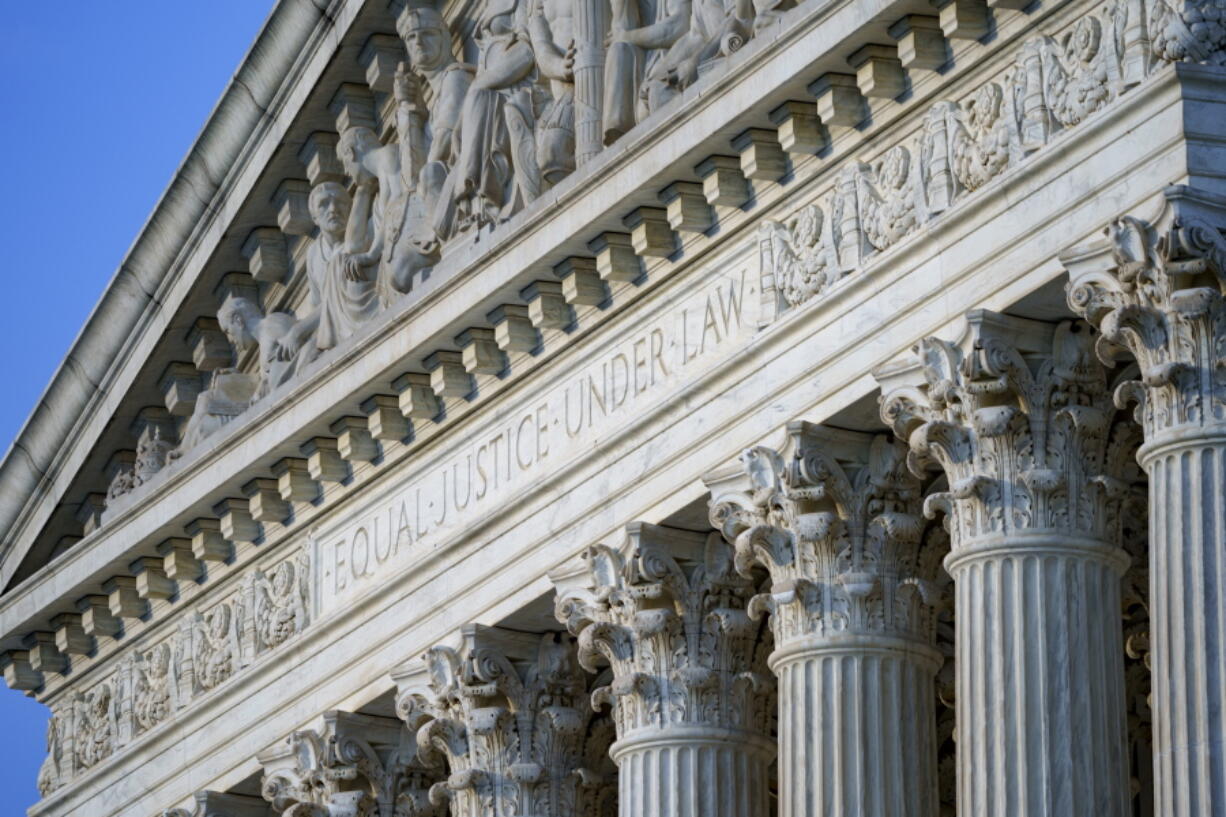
x: 653, y: 408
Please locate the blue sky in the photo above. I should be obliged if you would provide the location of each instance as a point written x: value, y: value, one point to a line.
x: 101, y: 102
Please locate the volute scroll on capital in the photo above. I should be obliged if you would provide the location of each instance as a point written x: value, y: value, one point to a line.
x: 1019, y: 417
x: 356, y: 766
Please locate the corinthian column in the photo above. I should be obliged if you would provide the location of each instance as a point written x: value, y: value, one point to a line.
x: 835, y: 520
x: 1155, y: 289
x: 1019, y: 418
x: 508, y: 715
x: 690, y: 694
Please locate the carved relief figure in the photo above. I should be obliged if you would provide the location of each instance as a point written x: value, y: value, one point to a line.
x: 96, y: 727
x: 152, y: 687
x: 436, y: 140
x: 216, y: 646
x: 551, y: 26
x: 1076, y: 72
x: 888, y: 208
x: 982, y: 138
x: 801, y: 260
x: 687, y: 36
x: 231, y: 391
x: 389, y: 232
x: 497, y: 172
x: 342, y: 286
x: 281, y: 602
x: 49, y: 772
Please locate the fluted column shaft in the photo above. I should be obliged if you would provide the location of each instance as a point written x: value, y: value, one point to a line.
x: 1157, y: 289
x: 1020, y: 419
x: 1187, y: 526
x: 703, y: 772
x: 856, y: 729
x: 835, y: 520
x: 1041, y: 728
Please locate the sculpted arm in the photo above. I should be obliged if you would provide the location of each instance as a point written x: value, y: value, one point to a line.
x: 553, y: 62
x: 662, y: 33
x: 516, y: 65
x: 445, y: 116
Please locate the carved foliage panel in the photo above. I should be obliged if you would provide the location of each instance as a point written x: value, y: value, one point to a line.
x: 151, y: 683
x: 1054, y: 82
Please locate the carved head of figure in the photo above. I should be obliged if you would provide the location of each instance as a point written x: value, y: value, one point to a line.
x: 356, y: 143
x: 329, y: 204
x: 425, y: 36
x: 239, y: 318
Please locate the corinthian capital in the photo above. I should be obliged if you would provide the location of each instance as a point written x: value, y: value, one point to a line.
x: 355, y: 766
x: 1155, y: 288
x: 668, y: 615
x: 508, y: 714
x: 835, y: 519
x: 1018, y: 415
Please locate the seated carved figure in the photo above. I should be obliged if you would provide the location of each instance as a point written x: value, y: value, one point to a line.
x: 231, y: 391
x: 687, y: 35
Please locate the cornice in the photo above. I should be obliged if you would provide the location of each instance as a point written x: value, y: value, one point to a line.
x: 182, y: 227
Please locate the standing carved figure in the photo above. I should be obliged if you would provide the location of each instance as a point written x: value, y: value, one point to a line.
x: 552, y: 29
x: 497, y: 172
x: 433, y: 140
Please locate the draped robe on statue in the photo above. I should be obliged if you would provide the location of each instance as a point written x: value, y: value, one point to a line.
x: 343, y: 305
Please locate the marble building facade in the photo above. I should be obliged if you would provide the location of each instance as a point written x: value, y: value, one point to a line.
x: 653, y: 408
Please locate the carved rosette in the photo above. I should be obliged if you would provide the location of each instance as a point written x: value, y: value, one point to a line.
x: 358, y: 766
x: 508, y: 715
x: 689, y: 681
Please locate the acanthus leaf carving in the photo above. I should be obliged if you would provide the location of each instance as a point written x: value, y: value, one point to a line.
x: 507, y: 716
x: 355, y: 766
x: 1023, y: 435
x: 671, y: 622
x: 840, y: 535
x: 1155, y: 290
